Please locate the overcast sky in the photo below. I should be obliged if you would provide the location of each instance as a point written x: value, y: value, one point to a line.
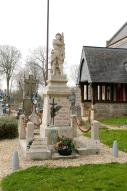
x: 84, y: 22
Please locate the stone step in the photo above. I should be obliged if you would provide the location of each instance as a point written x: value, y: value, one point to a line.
x: 38, y: 149
x: 39, y: 138
x: 36, y: 131
x: 86, y: 151
x: 39, y: 142
x: 56, y: 156
x: 38, y: 154
x: 36, y: 136
x: 38, y: 146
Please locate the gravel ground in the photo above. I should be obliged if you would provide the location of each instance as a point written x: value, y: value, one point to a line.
x: 7, y: 147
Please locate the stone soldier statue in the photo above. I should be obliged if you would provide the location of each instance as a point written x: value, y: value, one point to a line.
x: 58, y: 54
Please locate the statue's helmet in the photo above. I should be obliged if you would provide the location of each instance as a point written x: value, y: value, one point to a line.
x: 58, y: 35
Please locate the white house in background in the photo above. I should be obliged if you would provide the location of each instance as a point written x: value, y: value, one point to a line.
x: 119, y: 39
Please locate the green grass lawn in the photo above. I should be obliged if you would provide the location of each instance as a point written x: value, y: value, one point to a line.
x: 107, y: 136
x: 115, y: 121
x: 105, y: 177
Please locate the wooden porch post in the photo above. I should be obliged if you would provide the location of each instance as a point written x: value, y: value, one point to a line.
x: 92, y: 102
x: 82, y: 93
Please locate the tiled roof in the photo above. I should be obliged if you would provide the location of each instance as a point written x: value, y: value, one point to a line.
x: 100, y: 64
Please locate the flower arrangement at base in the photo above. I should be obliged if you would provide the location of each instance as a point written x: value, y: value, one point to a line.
x: 64, y: 146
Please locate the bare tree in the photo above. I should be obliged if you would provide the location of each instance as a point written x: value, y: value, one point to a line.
x: 37, y: 64
x: 74, y: 73
x: 9, y: 57
x: 19, y: 77
x: 36, y: 71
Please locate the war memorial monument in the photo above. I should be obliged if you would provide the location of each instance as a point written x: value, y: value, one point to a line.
x: 57, y: 120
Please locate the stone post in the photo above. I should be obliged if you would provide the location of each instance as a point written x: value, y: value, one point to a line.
x: 29, y: 133
x: 15, y: 161
x: 78, y: 113
x: 115, y: 149
x: 73, y: 125
x: 92, y: 103
x: 22, y: 131
x: 95, y: 130
x: 92, y: 113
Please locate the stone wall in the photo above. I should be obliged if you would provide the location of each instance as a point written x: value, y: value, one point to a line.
x: 108, y: 110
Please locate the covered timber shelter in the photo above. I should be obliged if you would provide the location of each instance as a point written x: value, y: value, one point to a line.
x: 102, y: 79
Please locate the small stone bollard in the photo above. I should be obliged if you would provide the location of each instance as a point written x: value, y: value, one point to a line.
x: 95, y: 130
x: 74, y: 125
x: 22, y: 132
x: 115, y: 149
x: 15, y: 161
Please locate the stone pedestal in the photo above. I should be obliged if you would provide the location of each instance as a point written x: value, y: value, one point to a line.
x: 56, y: 93
x: 39, y: 150
x: 52, y: 132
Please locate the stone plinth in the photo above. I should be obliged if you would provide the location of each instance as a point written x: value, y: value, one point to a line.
x: 56, y: 93
x: 56, y: 156
x: 53, y: 132
x: 39, y: 150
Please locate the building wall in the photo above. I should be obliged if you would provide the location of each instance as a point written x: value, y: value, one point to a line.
x: 108, y: 110
x: 104, y: 110
x: 120, y: 44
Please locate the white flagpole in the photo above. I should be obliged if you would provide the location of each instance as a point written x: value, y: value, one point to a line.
x: 47, y: 40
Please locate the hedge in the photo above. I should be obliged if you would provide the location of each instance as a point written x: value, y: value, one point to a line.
x: 8, y: 128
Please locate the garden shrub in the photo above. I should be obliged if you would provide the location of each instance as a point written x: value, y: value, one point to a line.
x: 8, y: 128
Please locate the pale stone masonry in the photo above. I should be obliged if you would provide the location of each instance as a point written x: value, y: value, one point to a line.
x: 57, y: 115
x: 58, y: 92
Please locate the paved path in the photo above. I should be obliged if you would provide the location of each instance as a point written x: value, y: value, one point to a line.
x: 7, y: 147
x: 124, y: 127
